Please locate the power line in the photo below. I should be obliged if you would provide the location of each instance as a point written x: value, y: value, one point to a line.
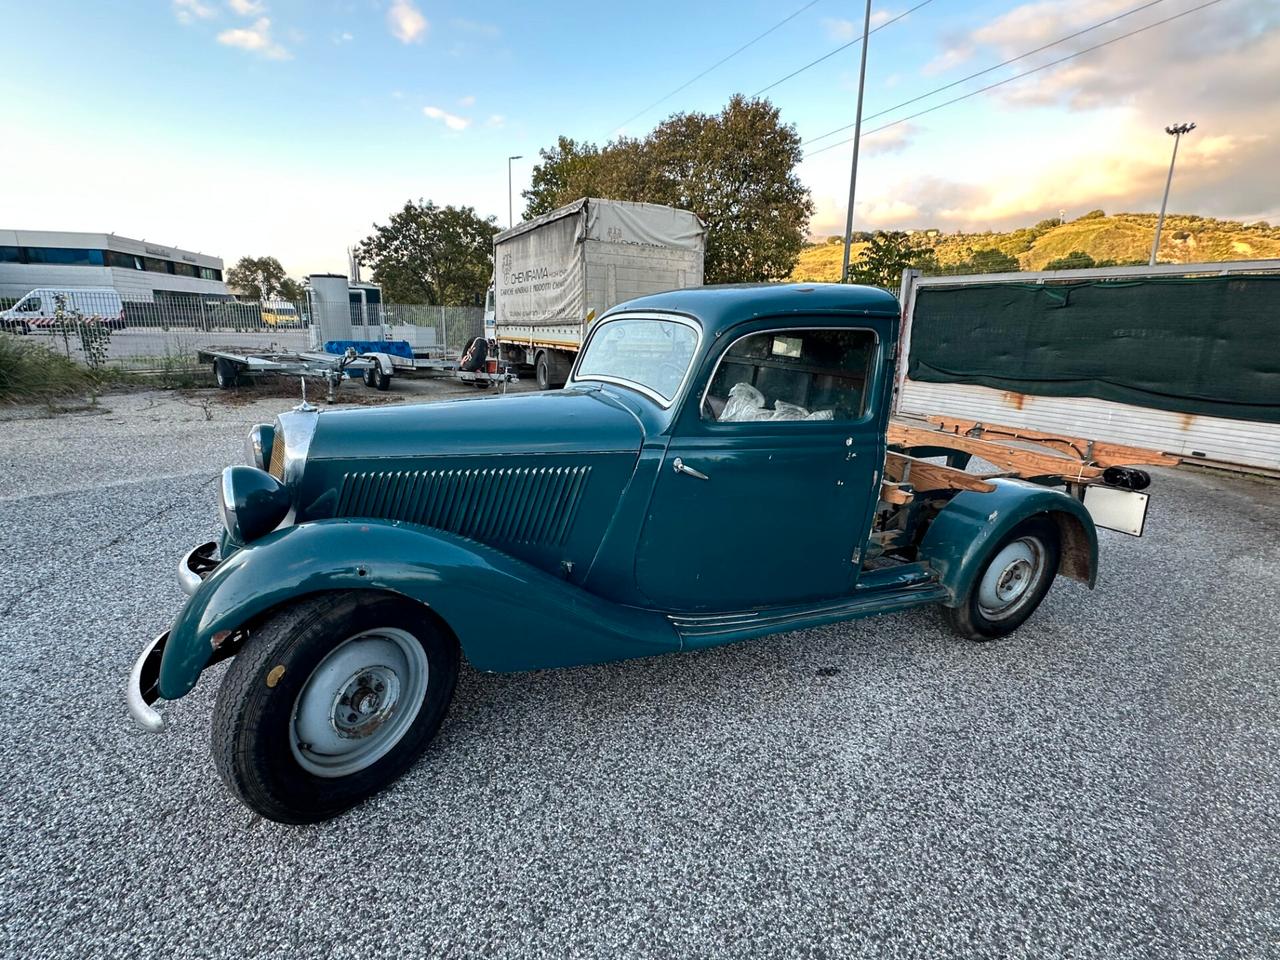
x: 1021, y: 56
x: 1018, y: 76
x: 843, y: 46
x: 720, y: 62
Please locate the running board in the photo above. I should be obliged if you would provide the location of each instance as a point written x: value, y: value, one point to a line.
x: 702, y: 630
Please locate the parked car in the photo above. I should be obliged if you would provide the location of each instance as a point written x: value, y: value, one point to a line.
x: 47, y: 308
x: 713, y: 471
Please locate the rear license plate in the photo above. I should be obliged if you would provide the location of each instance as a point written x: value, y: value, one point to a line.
x: 1113, y: 509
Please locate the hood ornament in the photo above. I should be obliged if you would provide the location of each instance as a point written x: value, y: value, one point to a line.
x: 304, y: 407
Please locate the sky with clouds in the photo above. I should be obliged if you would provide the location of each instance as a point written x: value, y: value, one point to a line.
x: 288, y: 127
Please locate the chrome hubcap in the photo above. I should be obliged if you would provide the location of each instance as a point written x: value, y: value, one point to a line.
x: 359, y: 702
x: 1011, y: 578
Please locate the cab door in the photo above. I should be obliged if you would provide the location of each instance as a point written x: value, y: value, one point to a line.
x: 765, y: 492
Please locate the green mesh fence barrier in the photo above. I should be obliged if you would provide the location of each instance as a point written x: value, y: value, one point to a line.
x: 1203, y: 345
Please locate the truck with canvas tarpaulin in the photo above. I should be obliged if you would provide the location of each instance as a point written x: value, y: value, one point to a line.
x: 555, y: 274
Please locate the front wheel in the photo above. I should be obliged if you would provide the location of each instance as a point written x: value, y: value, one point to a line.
x: 1015, y: 577
x: 331, y: 700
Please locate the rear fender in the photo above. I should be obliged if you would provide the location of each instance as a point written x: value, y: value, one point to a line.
x: 506, y: 614
x: 959, y: 538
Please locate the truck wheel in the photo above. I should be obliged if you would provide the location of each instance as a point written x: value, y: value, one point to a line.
x: 1014, y: 578
x: 381, y: 380
x: 543, y: 370
x: 331, y: 700
x: 225, y: 373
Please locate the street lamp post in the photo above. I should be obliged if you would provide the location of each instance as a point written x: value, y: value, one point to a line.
x: 1176, y: 131
x: 857, y: 139
x: 510, y: 214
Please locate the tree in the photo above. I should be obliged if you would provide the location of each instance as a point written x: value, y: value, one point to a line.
x: 291, y: 290
x: 263, y: 278
x: 887, y: 255
x: 431, y: 254
x: 734, y: 169
x: 1075, y: 260
x: 567, y: 166
x: 991, y: 260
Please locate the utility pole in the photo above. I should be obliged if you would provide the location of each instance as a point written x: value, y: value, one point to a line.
x: 511, y: 222
x: 1176, y: 131
x: 857, y: 141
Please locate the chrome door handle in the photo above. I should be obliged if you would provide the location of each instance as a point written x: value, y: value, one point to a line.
x: 679, y: 467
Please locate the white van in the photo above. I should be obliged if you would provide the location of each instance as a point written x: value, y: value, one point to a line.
x: 39, y: 309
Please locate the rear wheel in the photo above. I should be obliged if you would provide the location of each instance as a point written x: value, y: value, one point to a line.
x: 368, y: 376
x: 1014, y: 579
x: 381, y: 379
x: 331, y: 701
x: 542, y: 368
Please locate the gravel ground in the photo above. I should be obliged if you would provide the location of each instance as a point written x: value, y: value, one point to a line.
x: 1104, y: 784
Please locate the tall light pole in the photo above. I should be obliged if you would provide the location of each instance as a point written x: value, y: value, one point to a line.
x: 511, y: 222
x: 1176, y: 131
x: 857, y: 141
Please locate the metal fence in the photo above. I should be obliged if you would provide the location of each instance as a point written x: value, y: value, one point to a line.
x: 98, y: 328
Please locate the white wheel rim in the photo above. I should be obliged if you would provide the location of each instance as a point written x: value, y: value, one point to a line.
x: 359, y: 702
x: 1011, y: 579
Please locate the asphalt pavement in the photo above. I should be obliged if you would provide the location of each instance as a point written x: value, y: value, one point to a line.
x: 1106, y: 783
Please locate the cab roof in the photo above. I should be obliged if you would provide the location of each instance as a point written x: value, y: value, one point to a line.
x: 721, y: 307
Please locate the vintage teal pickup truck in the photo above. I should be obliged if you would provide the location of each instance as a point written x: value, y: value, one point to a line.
x: 713, y: 471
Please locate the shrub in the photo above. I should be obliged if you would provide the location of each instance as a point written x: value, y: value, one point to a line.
x: 31, y: 372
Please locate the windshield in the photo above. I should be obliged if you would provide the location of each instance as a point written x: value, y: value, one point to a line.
x: 649, y: 353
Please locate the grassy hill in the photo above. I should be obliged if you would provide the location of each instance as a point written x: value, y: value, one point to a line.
x: 1121, y: 237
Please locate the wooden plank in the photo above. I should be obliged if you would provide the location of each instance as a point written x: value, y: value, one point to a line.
x: 1014, y: 460
x: 923, y: 475
x: 1098, y: 452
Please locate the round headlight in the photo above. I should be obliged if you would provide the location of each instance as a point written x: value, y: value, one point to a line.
x: 257, y: 446
x: 252, y: 503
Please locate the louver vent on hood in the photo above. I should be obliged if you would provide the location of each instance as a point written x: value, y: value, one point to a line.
x: 533, y: 505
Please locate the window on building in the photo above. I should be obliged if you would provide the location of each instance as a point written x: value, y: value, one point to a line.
x: 793, y: 375
x: 155, y: 266
x: 10, y: 255
x: 125, y: 261
x: 184, y: 269
x: 64, y: 256
x: 209, y: 273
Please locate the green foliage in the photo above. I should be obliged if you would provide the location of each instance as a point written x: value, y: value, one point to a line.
x: 1075, y: 260
x: 566, y: 167
x: 431, y: 254
x: 291, y: 290
x: 263, y: 278
x: 1093, y: 215
x: 1046, y: 225
x: 734, y: 169
x: 95, y: 341
x: 31, y: 372
x: 887, y: 255
x: 989, y: 260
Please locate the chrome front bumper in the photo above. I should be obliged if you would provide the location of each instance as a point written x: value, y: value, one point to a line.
x: 144, y: 686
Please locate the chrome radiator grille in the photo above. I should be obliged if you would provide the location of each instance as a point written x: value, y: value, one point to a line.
x: 530, y: 505
x: 276, y: 466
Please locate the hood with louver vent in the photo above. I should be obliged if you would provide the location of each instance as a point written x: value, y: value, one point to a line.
x: 537, y: 476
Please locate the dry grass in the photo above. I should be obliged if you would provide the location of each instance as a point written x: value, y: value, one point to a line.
x: 1122, y: 237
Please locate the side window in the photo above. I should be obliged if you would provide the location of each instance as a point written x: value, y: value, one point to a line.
x: 793, y: 375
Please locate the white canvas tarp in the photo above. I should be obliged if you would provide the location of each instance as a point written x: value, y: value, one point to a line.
x: 542, y: 265
x: 540, y: 275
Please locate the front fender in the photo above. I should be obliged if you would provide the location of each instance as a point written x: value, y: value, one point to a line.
x: 958, y: 539
x: 506, y: 614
